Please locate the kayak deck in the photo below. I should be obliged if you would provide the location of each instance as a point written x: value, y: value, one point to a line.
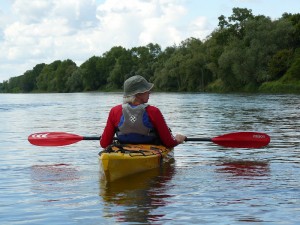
x: 121, y: 160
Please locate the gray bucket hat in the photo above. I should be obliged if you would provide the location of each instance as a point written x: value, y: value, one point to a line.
x: 136, y: 84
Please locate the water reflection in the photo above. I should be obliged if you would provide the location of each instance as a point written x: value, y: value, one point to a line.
x: 246, y: 169
x: 56, y: 172
x: 50, y: 181
x: 133, y: 199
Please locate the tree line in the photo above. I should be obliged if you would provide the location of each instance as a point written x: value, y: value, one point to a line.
x: 245, y: 53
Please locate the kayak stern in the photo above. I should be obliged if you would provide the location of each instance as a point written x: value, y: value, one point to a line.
x: 118, y: 161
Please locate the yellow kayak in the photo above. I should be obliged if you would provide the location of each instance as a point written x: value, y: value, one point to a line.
x: 121, y: 160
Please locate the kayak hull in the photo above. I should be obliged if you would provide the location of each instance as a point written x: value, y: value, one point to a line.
x: 124, y: 160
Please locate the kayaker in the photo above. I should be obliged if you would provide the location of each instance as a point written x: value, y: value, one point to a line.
x: 134, y: 121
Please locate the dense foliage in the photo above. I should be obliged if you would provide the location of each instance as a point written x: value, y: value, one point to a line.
x: 244, y: 53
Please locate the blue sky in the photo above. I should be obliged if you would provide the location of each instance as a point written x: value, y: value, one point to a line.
x: 41, y: 31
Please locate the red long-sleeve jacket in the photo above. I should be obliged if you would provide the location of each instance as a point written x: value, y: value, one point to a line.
x: 155, y: 117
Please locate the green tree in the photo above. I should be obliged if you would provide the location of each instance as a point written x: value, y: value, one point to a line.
x: 235, y: 24
x: 293, y: 74
x: 29, y: 78
x: 184, y: 69
x: 74, y: 82
x: 45, y: 81
x: 89, y: 74
x: 279, y: 64
x: 295, y: 20
x: 120, y: 64
x: 144, y: 59
x: 263, y: 39
x: 62, y: 74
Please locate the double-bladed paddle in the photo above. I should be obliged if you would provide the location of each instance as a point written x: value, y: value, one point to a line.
x: 233, y: 140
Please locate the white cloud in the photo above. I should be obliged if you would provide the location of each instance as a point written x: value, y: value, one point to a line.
x: 200, y: 27
x: 134, y: 22
x: 46, y: 30
x: 31, y: 11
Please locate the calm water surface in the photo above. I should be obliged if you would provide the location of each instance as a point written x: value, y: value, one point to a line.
x: 206, y: 183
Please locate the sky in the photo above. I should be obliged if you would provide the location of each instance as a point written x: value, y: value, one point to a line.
x: 42, y: 31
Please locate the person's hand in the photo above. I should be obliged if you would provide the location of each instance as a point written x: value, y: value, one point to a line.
x: 180, y: 138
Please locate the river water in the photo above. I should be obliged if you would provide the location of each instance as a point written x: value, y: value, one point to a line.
x: 206, y: 183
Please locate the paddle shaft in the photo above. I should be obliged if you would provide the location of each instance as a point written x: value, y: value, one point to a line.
x: 91, y: 138
x: 198, y: 139
x: 187, y: 139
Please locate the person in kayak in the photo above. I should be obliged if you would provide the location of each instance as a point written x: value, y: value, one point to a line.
x: 136, y: 122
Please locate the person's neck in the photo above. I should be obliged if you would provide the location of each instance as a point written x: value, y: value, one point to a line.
x: 135, y: 103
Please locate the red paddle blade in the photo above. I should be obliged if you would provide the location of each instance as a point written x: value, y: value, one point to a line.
x: 53, y: 138
x: 243, y: 140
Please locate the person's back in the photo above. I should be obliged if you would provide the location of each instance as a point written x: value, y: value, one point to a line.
x: 137, y: 122
x: 135, y: 126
